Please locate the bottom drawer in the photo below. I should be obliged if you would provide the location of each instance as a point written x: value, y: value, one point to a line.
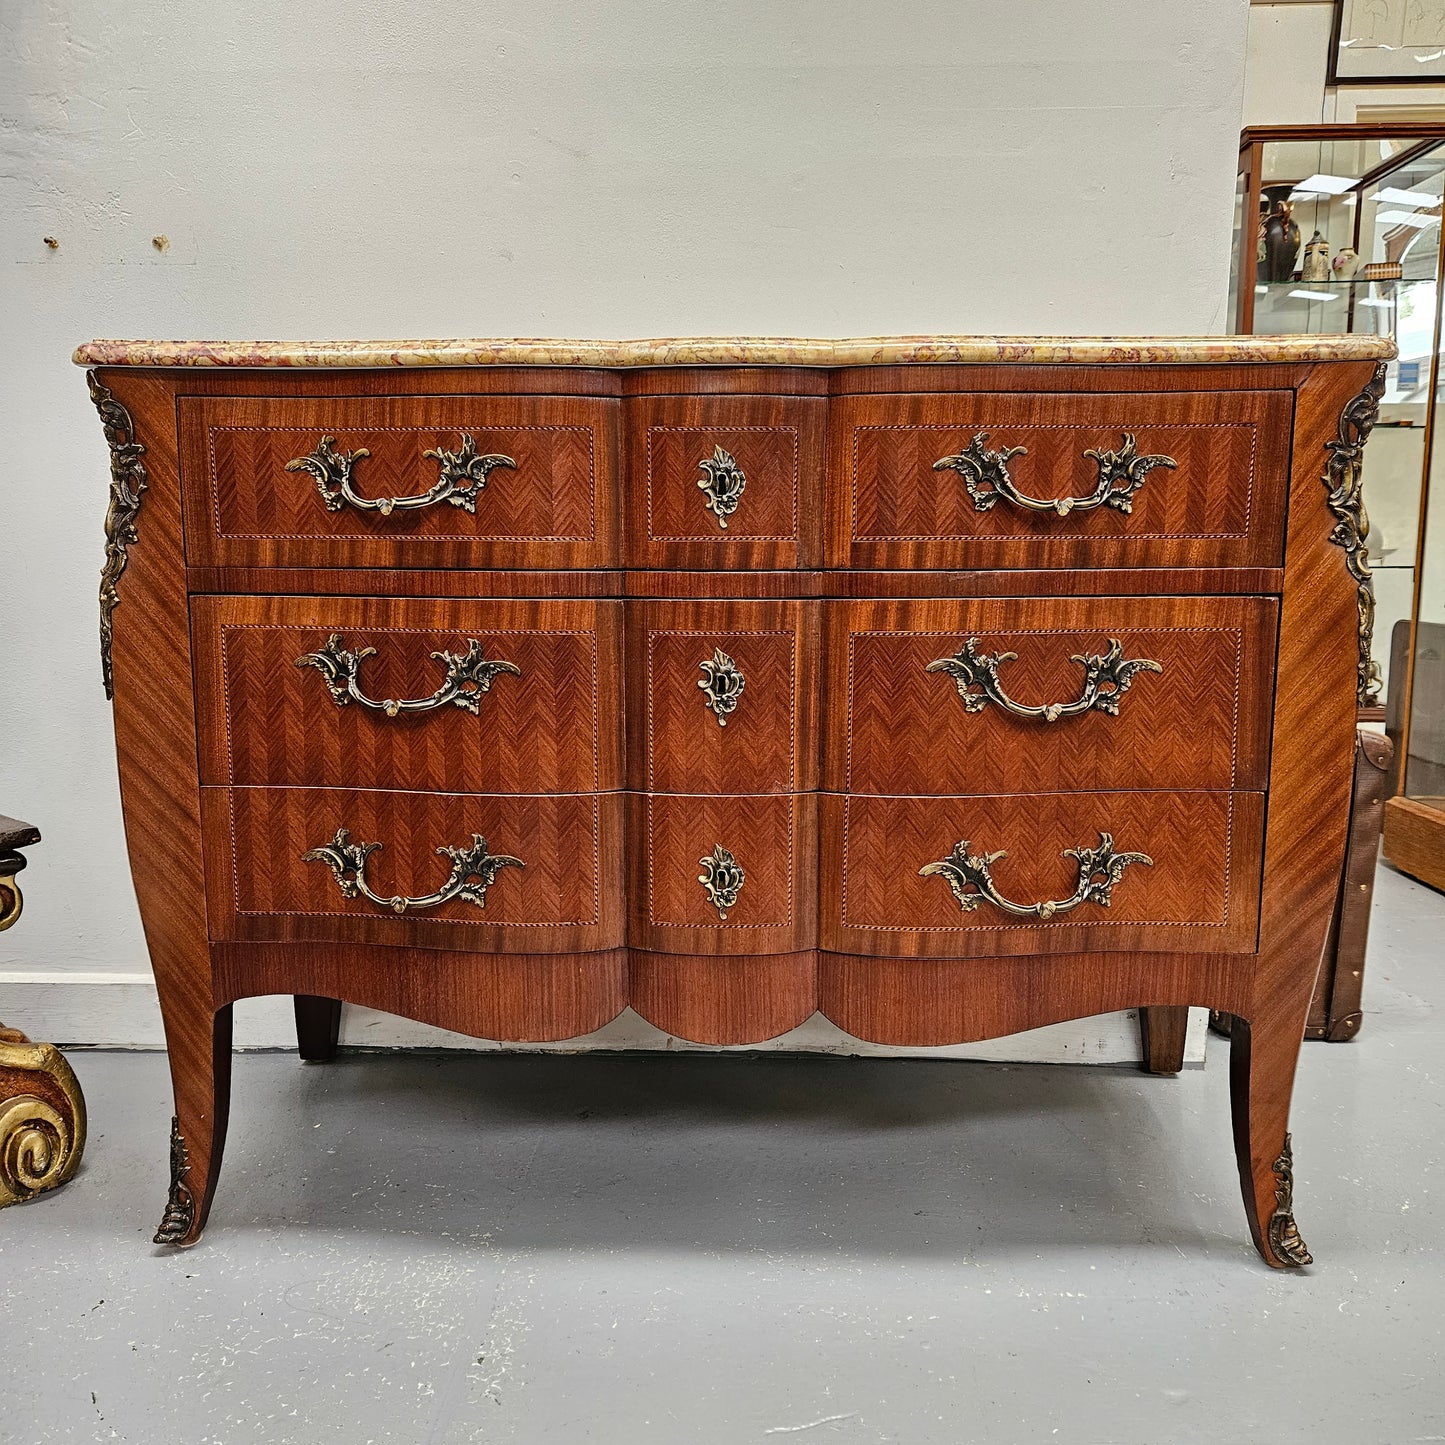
x: 723, y: 875
x: 893, y: 870
x: 293, y: 863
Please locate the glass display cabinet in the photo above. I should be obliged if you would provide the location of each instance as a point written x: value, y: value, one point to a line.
x: 1338, y: 229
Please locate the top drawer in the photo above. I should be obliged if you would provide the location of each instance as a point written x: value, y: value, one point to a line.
x: 990, y: 480
x: 511, y: 481
x: 724, y: 481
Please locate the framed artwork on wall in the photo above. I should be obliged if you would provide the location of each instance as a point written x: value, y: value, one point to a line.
x: 1388, y: 42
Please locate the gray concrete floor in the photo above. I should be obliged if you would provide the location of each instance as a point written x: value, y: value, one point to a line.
x: 730, y: 1249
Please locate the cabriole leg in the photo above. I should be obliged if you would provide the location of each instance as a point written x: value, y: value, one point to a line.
x: 1262, y: 1055
x: 200, y: 1051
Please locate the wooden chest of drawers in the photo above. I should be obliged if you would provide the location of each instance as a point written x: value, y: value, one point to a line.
x: 950, y: 687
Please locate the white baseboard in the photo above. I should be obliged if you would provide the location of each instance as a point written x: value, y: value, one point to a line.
x: 120, y: 1011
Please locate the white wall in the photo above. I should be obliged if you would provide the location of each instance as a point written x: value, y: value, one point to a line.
x: 532, y: 167
x: 1284, y: 80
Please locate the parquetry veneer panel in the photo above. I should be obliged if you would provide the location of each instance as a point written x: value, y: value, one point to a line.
x: 554, y: 506
x: 1196, y: 675
x: 554, y: 726
x: 566, y: 897
x: 1220, y: 505
x: 775, y: 445
x: 772, y: 842
x: 754, y: 727
x: 1200, y: 893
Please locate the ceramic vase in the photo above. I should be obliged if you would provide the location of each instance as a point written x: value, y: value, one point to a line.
x: 1281, y: 237
x: 1316, y: 265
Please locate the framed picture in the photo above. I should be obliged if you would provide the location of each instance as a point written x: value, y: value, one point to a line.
x: 1388, y: 42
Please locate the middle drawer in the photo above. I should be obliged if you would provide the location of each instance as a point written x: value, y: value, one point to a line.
x: 1036, y: 695
x: 723, y: 697
x: 451, y: 696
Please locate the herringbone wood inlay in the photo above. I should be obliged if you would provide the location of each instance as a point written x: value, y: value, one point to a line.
x: 556, y: 728
x: 554, y: 508
x: 774, y: 840
x: 1201, y: 895
x: 1200, y: 723
x: 770, y: 741
x: 568, y: 896
x: 777, y: 441
x: 1221, y: 507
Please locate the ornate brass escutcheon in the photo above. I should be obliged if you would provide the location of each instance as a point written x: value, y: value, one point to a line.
x: 462, y: 479
x: 722, y: 684
x: 474, y: 870
x: 722, y: 484
x: 722, y: 878
x: 468, y: 676
x: 986, y: 475
x: 967, y: 874
x: 1107, y: 678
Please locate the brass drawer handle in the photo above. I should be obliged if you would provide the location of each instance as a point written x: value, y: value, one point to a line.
x: 722, y: 878
x: 986, y: 475
x: 468, y: 676
x: 462, y: 479
x: 722, y: 684
x: 722, y: 484
x: 474, y: 870
x: 968, y: 876
x: 1106, y: 679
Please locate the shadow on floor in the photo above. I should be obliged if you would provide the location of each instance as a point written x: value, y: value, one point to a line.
x: 892, y: 1157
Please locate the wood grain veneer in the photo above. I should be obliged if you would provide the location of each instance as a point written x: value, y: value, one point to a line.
x: 721, y: 999
x: 849, y: 565
x: 554, y: 508
x: 682, y: 585
x: 521, y: 997
x: 567, y: 898
x: 1201, y: 722
x: 1312, y: 726
x: 927, y: 1002
x: 777, y: 442
x: 1221, y: 505
x: 1200, y: 895
x: 768, y: 743
x: 264, y: 721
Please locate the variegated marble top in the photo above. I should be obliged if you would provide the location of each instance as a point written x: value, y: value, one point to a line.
x: 741, y: 351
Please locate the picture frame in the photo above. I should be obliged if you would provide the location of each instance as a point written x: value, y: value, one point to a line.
x: 1387, y: 42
